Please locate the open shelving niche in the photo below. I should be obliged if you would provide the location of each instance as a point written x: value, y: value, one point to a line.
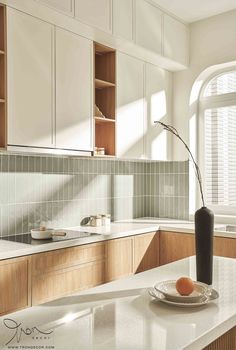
x: 3, y: 97
x: 105, y: 98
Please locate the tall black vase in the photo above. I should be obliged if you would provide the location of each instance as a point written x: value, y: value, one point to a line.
x: 204, y: 228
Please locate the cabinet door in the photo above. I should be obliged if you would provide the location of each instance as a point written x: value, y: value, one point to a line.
x: 175, y: 246
x: 15, y: 284
x: 148, y: 26
x: 30, y: 81
x: 225, y: 247
x: 56, y: 284
x: 119, y: 258
x: 123, y: 19
x: 73, y: 91
x: 158, y: 89
x: 146, y: 251
x: 96, y: 13
x: 176, y: 40
x: 130, y: 107
x: 66, y: 6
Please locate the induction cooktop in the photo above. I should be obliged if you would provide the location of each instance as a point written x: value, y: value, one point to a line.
x: 27, y: 239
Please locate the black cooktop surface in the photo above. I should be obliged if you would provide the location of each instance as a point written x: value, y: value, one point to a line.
x: 27, y: 239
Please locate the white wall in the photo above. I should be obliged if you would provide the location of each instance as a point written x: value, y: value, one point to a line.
x: 212, y: 42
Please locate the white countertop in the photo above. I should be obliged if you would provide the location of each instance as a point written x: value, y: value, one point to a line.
x: 121, y: 315
x: 115, y: 230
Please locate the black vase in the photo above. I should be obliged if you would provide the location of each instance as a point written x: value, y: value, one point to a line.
x: 204, y: 229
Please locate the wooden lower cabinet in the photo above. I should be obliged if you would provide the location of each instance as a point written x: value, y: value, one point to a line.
x: 146, y: 251
x: 56, y: 284
x: 15, y: 284
x: 64, y: 271
x: 225, y: 342
x: 46, y: 276
x: 175, y: 246
x: 225, y: 247
x: 119, y: 258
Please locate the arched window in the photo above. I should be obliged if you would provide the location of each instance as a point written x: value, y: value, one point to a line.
x: 217, y: 142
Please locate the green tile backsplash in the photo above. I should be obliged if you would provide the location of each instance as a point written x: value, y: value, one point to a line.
x: 62, y: 191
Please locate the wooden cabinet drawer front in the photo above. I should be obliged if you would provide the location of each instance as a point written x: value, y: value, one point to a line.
x: 225, y: 247
x: 57, y: 284
x: 119, y: 258
x: 63, y: 258
x: 146, y: 251
x: 14, y: 285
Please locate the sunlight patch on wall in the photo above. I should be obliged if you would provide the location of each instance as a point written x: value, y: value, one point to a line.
x: 158, y: 106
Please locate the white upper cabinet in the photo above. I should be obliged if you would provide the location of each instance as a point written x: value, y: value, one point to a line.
x: 30, y: 80
x: 123, y: 19
x: 148, y: 26
x: 74, y: 85
x: 130, y: 107
x: 66, y: 6
x: 96, y: 13
x: 176, y: 40
x: 158, y: 92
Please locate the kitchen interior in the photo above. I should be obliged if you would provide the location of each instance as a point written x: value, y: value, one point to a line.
x: 97, y: 198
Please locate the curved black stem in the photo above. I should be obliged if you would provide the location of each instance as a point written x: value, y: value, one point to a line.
x: 173, y: 131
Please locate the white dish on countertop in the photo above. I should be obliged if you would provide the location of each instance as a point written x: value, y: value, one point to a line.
x: 168, y: 289
x: 205, y: 299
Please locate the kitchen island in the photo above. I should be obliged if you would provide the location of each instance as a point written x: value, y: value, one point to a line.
x: 121, y: 315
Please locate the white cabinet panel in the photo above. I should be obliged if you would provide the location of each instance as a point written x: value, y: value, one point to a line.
x: 158, y: 91
x: 66, y: 6
x: 123, y: 19
x: 130, y: 107
x: 73, y: 91
x: 96, y: 13
x: 148, y: 26
x: 30, y: 80
x: 176, y: 40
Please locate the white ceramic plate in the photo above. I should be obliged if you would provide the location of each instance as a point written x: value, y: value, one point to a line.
x: 203, y: 301
x: 168, y: 289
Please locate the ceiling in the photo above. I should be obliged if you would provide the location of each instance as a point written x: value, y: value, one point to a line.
x: 194, y: 10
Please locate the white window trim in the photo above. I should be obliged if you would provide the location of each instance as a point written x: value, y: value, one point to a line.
x: 223, y: 213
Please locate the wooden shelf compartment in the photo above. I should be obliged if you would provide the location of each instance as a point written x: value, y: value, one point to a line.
x: 105, y: 63
x: 2, y: 78
x: 100, y: 120
x: 105, y: 100
x: 105, y: 137
x: 102, y: 84
x: 3, y: 125
x: 2, y: 28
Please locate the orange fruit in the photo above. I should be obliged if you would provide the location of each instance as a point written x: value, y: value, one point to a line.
x: 184, y: 285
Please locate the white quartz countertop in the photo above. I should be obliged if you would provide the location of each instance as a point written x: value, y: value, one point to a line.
x: 122, y: 316
x: 10, y: 249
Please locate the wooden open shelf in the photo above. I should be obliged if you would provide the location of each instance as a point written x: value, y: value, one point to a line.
x: 105, y: 97
x: 100, y: 120
x: 102, y: 84
x: 3, y: 84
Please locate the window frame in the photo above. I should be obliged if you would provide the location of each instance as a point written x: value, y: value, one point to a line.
x: 211, y: 102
